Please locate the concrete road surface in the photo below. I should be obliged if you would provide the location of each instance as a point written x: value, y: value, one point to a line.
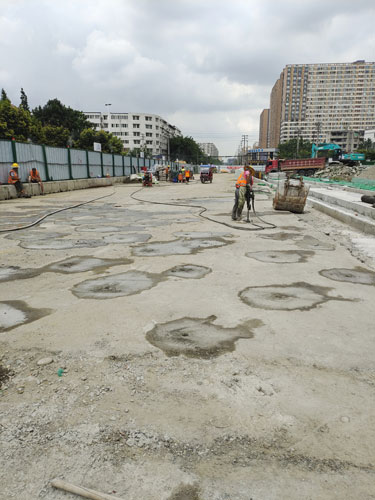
x: 154, y: 349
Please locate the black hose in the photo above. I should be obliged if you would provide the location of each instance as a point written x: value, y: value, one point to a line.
x: 203, y: 209
x: 54, y: 212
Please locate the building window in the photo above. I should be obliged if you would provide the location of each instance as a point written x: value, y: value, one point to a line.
x: 148, y: 126
x: 137, y: 142
x: 148, y: 134
x: 136, y: 125
x: 148, y: 118
x: 136, y: 134
x: 135, y: 117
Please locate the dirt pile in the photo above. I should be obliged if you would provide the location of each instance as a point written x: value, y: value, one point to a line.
x: 340, y: 172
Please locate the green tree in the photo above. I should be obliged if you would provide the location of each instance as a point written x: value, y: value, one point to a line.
x: 110, y: 143
x: 24, y: 103
x: 4, y: 96
x: 58, y: 115
x: 14, y: 122
x: 55, y: 136
x: 185, y: 148
x: 295, y: 148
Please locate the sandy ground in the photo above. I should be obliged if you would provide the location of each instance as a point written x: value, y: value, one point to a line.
x: 150, y: 353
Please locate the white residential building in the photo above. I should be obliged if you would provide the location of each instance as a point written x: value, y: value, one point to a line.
x: 209, y: 149
x: 137, y: 130
x: 328, y: 102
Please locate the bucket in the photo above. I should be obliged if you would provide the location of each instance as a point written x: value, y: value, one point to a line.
x: 291, y: 195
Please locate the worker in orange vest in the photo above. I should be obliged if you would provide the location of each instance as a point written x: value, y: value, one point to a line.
x: 34, y: 178
x: 13, y: 178
x: 243, y: 183
x: 187, y: 175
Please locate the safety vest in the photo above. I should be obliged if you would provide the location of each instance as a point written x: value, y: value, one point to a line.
x: 241, y: 181
x: 35, y: 176
x: 13, y: 177
x: 187, y: 174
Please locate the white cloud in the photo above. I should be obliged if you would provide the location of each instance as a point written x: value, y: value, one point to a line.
x: 206, y: 66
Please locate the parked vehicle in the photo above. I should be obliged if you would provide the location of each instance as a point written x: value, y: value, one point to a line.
x: 206, y: 173
x: 305, y: 166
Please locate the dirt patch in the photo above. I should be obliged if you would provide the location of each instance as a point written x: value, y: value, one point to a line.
x: 14, y: 313
x: 281, y: 256
x: 185, y: 492
x: 178, y: 247
x: 119, y: 285
x: 311, y: 243
x: 189, y: 271
x: 358, y: 275
x: 281, y: 236
x: 197, y: 337
x: 4, y: 375
x: 302, y: 296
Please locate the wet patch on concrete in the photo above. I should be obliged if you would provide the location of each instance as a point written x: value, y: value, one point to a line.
x: 118, y: 285
x: 188, y: 271
x: 98, y: 228
x: 301, y: 295
x: 185, y: 492
x: 201, y: 234
x: 61, y: 244
x: 311, y: 243
x: 281, y: 256
x: 291, y: 228
x: 30, y: 235
x: 83, y: 264
x: 14, y: 313
x: 12, y: 273
x: 67, y: 266
x: 358, y: 275
x: 198, y: 337
x: 281, y: 236
x: 178, y: 247
x: 128, y: 238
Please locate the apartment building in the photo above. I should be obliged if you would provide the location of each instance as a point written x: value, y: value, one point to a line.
x: 263, y: 128
x: 141, y: 131
x: 330, y: 102
x: 209, y: 148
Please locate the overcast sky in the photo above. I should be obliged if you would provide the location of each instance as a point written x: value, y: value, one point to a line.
x: 206, y: 66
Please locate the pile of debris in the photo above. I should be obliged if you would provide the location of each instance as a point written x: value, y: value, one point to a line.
x: 339, y: 171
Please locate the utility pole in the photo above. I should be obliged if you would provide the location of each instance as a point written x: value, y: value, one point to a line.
x: 244, y: 147
x: 318, y: 128
x: 299, y: 130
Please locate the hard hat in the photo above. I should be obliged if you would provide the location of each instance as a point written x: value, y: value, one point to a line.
x: 15, y: 165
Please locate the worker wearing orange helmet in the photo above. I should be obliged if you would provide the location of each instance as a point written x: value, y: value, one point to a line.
x: 34, y: 177
x: 243, y: 183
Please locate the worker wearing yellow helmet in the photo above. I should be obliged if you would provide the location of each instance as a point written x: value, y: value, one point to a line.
x: 14, y: 178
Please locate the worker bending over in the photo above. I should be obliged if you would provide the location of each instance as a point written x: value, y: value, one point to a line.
x: 243, y: 183
x: 34, y: 177
x: 14, y: 178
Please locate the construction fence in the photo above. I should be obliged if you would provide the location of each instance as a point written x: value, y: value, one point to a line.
x: 56, y: 164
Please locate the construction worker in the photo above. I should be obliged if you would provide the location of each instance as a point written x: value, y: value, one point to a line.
x: 187, y: 175
x: 243, y: 183
x: 34, y: 178
x: 13, y: 178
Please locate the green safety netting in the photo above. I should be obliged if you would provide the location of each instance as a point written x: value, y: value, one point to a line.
x: 367, y: 184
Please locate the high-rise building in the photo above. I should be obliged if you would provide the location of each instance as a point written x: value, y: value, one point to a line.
x: 141, y: 131
x: 330, y: 102
x: 209, y: 149
x: 263, y: 128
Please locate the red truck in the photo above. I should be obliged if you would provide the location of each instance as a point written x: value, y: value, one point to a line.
x: 305, y: 166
